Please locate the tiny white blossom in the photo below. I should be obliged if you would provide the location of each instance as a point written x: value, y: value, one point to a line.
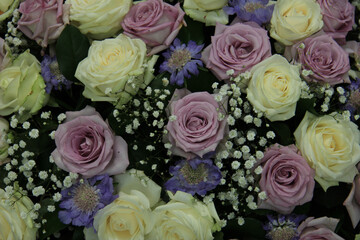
x: 245, y: 149
x: 165, y: 82
x: 26, y: 125
x: 340, y: 90
x: 150, y: 148
x: 324, y: 107
x: 249, y: 164
x: 241, y: 140
x: 237, y: 154
x: 160, y: 105
x: 148, y: 91
x: 52, y: 135
x: 43, y: 175
x: 14, y: 122
x: 259, y: 154
x: 235, y: 165
x: 12, y: 175
x: 51, y: 208
x: 230, y: 72
x: 135, y: 147
x: 37, y: 191
x: 34, y: 133
x: 230, y: 120
x: 22, y: 144
x: 258, y: 170
x: 14, y: 162
x: 342, y: 99
x: 241, y: 221
x: 270, y: 134
x: 172, y: 118
x: 251, y: 135
x: 233, y: 133
x: 248, y: 119
x: 218, y: 98
x: 57, y: 197
x: 215, y: 85
x: 237, y: 113
x: 116, y: 113
x: 262, y: 195
x: 37, y: 206
x: 61, y: 117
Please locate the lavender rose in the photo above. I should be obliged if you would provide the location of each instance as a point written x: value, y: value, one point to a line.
x: 352, y: 202
x: 286, y: 178
x: 85, y: 144
x: 238, y: 47
x: 328, y: 62
x: 43, y: 21
x: 194, y: 128
x: 155, y: 22
x: 319, y: 228
x: 338, y: 17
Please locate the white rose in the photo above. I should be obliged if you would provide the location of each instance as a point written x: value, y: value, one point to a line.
x: 293, y: 20
x: 127, y: 217
x: 4, y: 128
x: 207, y: 11
x: 115, y: 69
x: 12, y: 225
x: 274, y: 88
x: 185, y: 218
x: 330, y: 146
x: 98, y: 19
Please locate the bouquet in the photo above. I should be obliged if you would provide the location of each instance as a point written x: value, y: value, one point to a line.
x: 193, y: 120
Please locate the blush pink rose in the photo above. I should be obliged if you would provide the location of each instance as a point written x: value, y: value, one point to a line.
x: 352, y: 202
x: 286, y: 178
x: 322, y: 55
x: 85, y: 144
x: 43, y: 20
x: 155, y: 22
x: 338, y: 17
x: 196, y: 129
x: 319, y: 228
x: 238, y: 47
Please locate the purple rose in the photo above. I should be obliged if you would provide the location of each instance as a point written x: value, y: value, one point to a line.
x: 85, y: 144
x: 238, y: 47
x: 322, y: 55
x: 338, y: 17
x: 155, y: 22
x: 286, y: 178
x: 5, y: 58
x: 43, y: 20
x: 319, y: 228
x: 194, y: 128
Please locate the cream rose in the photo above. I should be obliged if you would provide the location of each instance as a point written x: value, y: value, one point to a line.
x: 127, y: 217
x: 185, y: 218
x: 13, y: 226
x: 207, y: 11
x: 293, y: 20
x: 7, y: 7
x: 274, y: 88
x: 22, y: 87
x: 4, y: 128
x: 115, y: 69
x: 330, y: 146
x: 98, y: 19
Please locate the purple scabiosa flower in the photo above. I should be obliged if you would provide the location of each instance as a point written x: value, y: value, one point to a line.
x: 83, y: 199
x: 181, y: 60
x: 193, y: 176
x: 283, y: 227
x: 353, y: 101
x: 251, y: 10
x: 52, y: 76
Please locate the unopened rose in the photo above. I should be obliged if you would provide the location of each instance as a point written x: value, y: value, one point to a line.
x: 319, y: 228
x: 5, y: 55
x: 98, y: 19
x: 328, y: 62
x: 13, y: 225
x: 330, y: 146
x: 85, y: 144
x: 7, y: 7
x: 275, y: 88
x: 338, y: 17
x: 294, y: 20
x: 286, y: 178
x: 155, y: 22
x: 352, y: 202
x: 115, y: 69
x: 43, y: 21
x: 194, y: 128
x: 21, y: 86
x: 209, y: 12
x: 237, y: 47
x: 185, y: 218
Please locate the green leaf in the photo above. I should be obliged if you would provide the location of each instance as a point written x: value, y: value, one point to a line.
x: 333, y: 197
x: 283, y: 132
x: 202, y: 82
x: 193, y: 31
x: 71, y: 48
x: 251, y: 229
x: 218, y: 236
x: 53, y: 223
x: 304, y: 105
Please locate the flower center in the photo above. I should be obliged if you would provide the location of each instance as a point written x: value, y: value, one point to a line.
x: 179, y: 58
x: 194, y: 176
x: 282, y: 233
x: 251, y: 7
x: 86, y: 197
x: 354, y: 99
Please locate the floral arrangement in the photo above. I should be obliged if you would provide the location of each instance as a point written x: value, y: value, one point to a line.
x: 193, y: 120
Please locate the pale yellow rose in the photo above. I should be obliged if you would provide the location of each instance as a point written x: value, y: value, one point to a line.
x: 185, y: 218
x: 293, y: 20
x: 7, y: 7
x: 127, y: 217
x: 274, y: 88
x: 13, y: 226
x: 115, y: 69
x: 22, y: 87
x: 98, y: 19
x: 330, y: 146
x: 207, y: 11
x: 4, y: 128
